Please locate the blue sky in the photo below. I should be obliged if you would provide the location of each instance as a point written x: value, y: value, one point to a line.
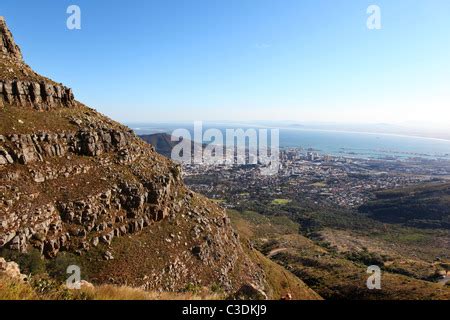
x: 311, y: 60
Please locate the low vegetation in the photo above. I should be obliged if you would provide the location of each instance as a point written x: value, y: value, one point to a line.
x: 334, y: 262
x: 423, y: 206
x: 47, y: 289
x: 280, y: 201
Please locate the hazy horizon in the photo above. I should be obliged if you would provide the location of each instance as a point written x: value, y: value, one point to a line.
x: 411, y: 130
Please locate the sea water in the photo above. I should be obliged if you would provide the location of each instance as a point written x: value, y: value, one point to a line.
x: 337, y: 143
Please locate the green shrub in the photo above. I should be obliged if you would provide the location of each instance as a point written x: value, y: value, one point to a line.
x: 30, y: 262
x: 192, y: 288
x: 365, y: 257
x: 216, y: 288
x: 57, y: 267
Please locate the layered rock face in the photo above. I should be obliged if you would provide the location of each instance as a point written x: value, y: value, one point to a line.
x: 20, y: 85
x: 39, y: 95
x: 73, y: 180
x: 118, y: 208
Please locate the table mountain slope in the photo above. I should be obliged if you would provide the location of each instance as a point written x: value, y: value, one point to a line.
x: 73, y: 181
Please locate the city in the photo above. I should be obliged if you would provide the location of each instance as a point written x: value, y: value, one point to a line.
x: 323, y: 179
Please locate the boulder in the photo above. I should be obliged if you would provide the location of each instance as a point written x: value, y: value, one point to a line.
x: 249, y: 291
x: 11, y: 270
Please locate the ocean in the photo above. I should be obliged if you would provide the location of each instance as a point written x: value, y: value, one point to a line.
x: 337, y: 143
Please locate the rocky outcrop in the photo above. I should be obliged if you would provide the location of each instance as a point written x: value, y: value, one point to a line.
x: 124, y: 208
x: 38, y: 95
x: 29, y: 148
x: 121, y: 207
x: 7, y: 45
x: 21, y: 86
x: 249, y: 291
x: 79, y: 225
x: 11, y: 270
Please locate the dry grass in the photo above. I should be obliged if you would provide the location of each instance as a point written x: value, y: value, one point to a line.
x: 14, y: 290
x: 11, y: 289
x: 110, y: 292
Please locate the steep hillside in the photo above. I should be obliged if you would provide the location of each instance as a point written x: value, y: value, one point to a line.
x: 75, y: 183
x: 426, y: 206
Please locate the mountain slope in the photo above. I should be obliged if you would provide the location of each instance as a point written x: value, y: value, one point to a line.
x: 163, y: 144
x: 423, y: 206
x: 326, y: 269
x: 73, y: 182
x: 161, y: 141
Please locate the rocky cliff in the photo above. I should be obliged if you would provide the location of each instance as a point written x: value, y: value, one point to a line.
x: 8, y: 47
x: 72, y: 180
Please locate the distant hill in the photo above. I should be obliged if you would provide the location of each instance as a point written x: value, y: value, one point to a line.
x: 426, y: 206
x: 163, y: 143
